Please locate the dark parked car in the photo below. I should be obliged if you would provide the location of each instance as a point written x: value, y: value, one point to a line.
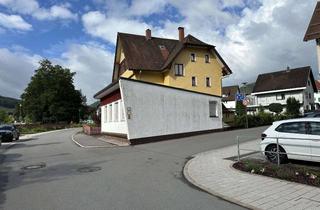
x: 9, y: 132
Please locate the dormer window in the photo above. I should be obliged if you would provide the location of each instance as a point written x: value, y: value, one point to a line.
x: 207, y: 58
x: 193, y: 57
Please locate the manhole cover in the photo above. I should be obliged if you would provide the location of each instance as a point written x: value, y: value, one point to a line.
x: 89, y: 169
x: 34, y: 166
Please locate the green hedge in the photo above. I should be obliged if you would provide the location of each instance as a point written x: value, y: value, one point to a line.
x: 259, y: 119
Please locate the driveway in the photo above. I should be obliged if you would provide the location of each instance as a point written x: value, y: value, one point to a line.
x: 145, y: 176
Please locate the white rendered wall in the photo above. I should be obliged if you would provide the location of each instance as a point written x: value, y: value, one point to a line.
x: 309, y: 90
x: 317, y: 97
x: 267, y: 99
x: 157, y: 110
x: 109, y: 125
x: 230, y: 104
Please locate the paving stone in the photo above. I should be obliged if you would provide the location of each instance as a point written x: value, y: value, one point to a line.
x: 209, y: 169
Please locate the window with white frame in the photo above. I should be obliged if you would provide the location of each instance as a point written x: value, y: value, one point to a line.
x: 179, y: 71
x: 194, y: 81
x: 213, y: 109
x: 280, y: 96
x: 109, y: 113
x: 116, y: 112
x: 193, y: 57
x: 208, y: 81
x: 207, y: 58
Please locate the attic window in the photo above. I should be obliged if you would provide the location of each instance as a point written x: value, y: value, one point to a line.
x: 207, y: 58
x: 193, y: 57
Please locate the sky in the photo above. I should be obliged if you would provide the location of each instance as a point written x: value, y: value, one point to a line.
x: 253, y: 36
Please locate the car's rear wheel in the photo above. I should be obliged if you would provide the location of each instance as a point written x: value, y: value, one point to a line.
x: 271, y: 154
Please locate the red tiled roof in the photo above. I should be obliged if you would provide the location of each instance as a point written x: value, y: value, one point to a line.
x: 229, y: 92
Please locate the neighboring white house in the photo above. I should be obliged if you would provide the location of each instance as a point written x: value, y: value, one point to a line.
x: 229, y: 96
x: 277, y: 87
x: 317, y: 95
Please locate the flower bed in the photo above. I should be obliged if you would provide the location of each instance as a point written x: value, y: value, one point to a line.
x: 91, y: 129
x: 303, y: 174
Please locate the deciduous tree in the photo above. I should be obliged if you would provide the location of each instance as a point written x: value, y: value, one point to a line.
x: 51, y: 96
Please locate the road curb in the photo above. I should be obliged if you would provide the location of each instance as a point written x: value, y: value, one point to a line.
x: 204, y: 188
x: 4, y: 148
x: 42, y: 133
x: 86, y: 147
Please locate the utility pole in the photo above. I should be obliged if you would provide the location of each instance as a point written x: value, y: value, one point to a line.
x: 79, y: 115
x: 245, y: 105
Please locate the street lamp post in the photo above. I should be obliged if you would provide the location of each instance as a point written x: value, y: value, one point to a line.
x: 20, y: 114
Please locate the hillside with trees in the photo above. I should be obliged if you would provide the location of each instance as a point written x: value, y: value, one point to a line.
x: 8, y: 104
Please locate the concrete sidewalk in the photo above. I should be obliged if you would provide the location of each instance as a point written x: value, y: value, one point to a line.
x: 213, y: 173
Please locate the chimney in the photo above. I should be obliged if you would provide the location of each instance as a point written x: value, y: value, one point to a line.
x: 148, y: 34
x: 181, y: 33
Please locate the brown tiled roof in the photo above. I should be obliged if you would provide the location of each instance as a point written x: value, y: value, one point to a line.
x: 286, y: 79
x: 143, y: 54
x: 229, y: 92
x: 313, y: 31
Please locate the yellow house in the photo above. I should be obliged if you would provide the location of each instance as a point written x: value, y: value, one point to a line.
x: 186, y: 63
x: 175, y: 80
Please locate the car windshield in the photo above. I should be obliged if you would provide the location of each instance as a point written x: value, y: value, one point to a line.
x: 5, y: 128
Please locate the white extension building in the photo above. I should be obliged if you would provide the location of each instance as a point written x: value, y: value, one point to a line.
x: 141, y: 110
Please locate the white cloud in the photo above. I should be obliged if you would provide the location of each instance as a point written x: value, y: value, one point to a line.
x: 14, y: 22
x: 32, y: 7
x: 98, y: 25
x: 15, y: 63
x: 261, y: 39
x: 266, y: 36
x: 93, y: 65
x: 121, y: 8
x: 269, y: 39
x: 233, y: 3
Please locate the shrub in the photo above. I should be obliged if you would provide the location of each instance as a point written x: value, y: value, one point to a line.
x: 258, y: 120
x: 240, y: 109
x: 260, y: 109
x: 293, y: 107
x: 276, y: 108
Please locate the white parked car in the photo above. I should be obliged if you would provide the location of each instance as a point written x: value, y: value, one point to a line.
x: 298, y: 138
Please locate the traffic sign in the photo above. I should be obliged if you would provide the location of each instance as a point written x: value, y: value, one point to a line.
x: 245, y: 102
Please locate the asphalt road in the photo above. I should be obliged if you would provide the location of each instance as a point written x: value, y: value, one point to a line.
x: 138, y: 177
